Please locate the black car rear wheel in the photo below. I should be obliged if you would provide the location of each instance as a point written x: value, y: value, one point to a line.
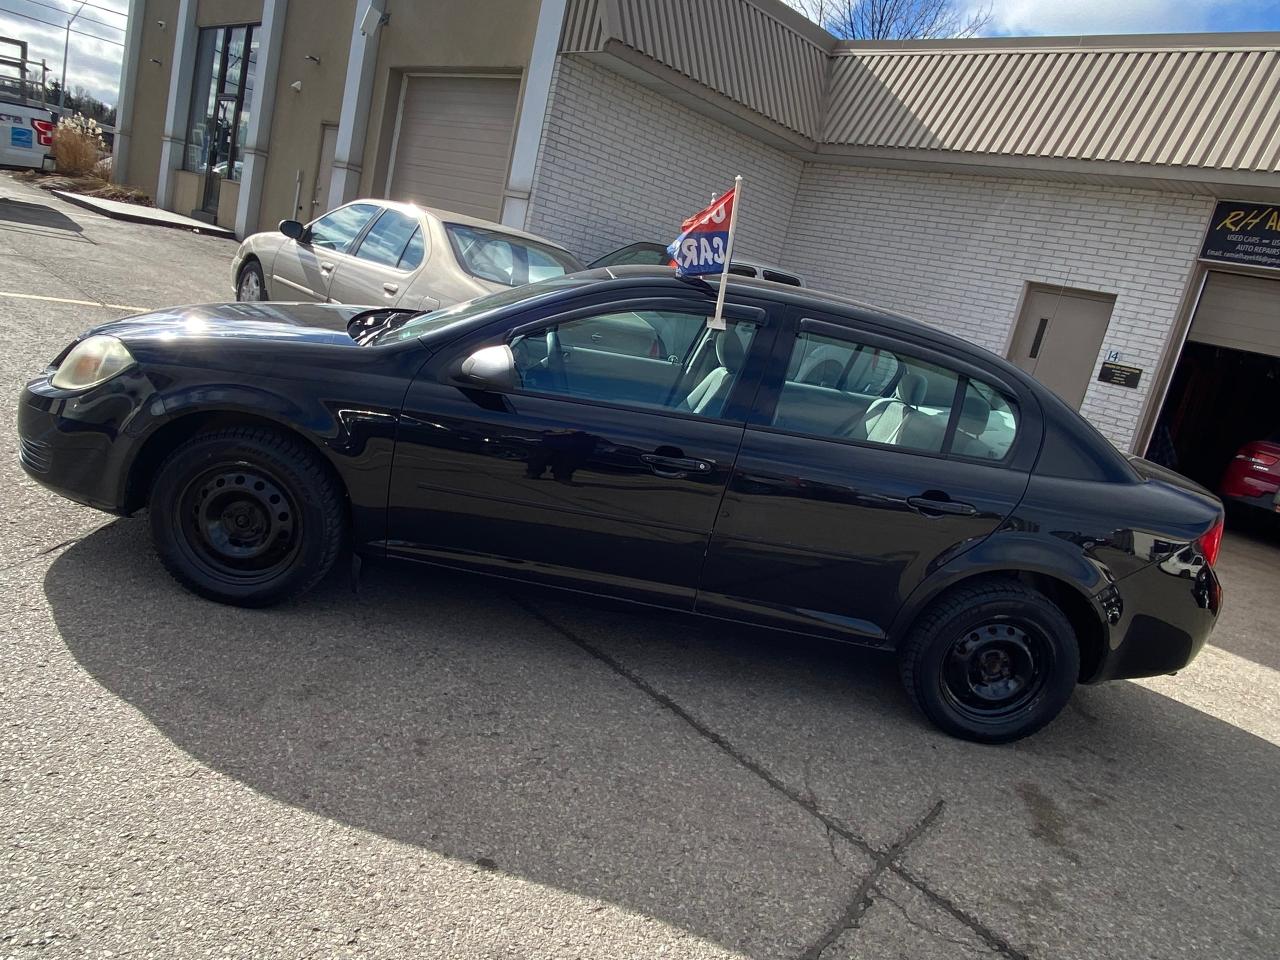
x: 992, y: 662
x: 246, y: 516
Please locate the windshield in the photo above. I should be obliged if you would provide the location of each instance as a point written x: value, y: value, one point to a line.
x: 505, y: 258
x: 460, y: 314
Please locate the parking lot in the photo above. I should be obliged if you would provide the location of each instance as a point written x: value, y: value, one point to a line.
x: 444, y: 766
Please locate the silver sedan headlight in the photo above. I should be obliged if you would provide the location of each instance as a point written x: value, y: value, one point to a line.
x: 92, y: 361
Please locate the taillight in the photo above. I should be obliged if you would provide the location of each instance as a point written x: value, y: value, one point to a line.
x: 44, y: 131
x: 1211, y: 543
x: 1258, y: 458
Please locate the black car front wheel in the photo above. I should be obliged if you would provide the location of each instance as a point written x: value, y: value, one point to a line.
x: 991, y: 662
x: 246, y: 516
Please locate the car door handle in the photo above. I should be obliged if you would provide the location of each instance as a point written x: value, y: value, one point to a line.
x: 675, y: 468
x: 391, y: 288
x: 927, y: 505
x: 326, y: 268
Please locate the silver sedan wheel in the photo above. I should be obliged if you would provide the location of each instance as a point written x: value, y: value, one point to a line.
x: 250, y: 287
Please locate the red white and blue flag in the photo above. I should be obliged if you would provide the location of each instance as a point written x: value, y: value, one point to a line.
x: 703, y: 246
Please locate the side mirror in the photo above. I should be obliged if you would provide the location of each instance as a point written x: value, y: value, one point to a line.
x: 490, y: 368
x: 292, y: 229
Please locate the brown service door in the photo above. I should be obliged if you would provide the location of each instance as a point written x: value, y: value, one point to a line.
x: 1058, y: 338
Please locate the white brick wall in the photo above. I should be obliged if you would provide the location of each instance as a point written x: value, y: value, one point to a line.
x: 620, y: 163
x: 958, y: 251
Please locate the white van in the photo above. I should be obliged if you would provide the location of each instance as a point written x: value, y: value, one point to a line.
x: 26, y: 136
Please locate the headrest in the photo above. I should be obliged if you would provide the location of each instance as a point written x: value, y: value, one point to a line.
x: 730, y: 351
x: 911, y: 389
x: 975, y: 414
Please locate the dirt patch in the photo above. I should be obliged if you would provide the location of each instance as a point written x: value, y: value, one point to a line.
x: 89, y: 186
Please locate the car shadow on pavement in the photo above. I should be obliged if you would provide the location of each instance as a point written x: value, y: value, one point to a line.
x: 23, y: 216
x: 462, y: 715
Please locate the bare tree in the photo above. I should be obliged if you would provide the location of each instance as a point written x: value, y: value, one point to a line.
x: 896, y: 19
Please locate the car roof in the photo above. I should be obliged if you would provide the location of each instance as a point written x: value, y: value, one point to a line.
x: 800, y: 297
x: 448, y: 216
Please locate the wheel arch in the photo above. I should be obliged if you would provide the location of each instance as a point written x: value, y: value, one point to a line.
x: 1069, y: 582
x: 173, y: 433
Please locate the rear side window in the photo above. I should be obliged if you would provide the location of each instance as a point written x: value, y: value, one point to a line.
x: 386, y: 240
x: 847, y: 390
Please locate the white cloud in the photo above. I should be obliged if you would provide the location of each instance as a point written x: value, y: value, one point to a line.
x: 1072, y: 17
x: 92, y: 63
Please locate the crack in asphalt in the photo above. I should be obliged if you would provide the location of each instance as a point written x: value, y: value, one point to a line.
x: 882, y: 859
x: 860, y: 902
x: 45, y: 551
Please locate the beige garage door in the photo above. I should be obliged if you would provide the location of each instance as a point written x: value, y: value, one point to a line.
x: 454, y: 143
x: 1239, y: 312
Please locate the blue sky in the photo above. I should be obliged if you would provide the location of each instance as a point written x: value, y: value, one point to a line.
x: 1069, y: 17
x: 96, y: 63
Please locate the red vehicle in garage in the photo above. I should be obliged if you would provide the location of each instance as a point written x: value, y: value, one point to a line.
x: 1253, y: 475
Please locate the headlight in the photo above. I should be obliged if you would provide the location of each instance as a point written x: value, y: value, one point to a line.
x: 92, y: 361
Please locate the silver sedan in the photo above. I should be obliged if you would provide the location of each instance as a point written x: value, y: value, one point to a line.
x: 385, y: 254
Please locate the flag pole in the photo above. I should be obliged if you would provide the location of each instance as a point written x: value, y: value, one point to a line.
x: 717, y: 321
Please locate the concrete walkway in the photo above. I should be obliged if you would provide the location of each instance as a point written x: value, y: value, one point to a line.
x: 134, y: 213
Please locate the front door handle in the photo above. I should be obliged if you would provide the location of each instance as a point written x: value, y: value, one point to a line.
x: 928, y: 506
x: 391, y: 288
x: 675, y: 468
x: 326, y: 268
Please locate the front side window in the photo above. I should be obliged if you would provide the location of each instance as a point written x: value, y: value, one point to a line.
x: 505, y: 258
x: 662, y: 359
x: 221, y: 101
x: 836, y: 387
x: 336, y: 231
x: 387, y: 239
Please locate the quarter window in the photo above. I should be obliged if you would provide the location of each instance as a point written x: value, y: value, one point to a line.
x: 386, y: 240
x: 414, y: 252
x: 662, y: 359
x: 335, y: 231
x: 854, y: 391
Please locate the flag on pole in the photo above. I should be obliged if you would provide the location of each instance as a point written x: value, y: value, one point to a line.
x: 703, y: 246
x: 706, y: 245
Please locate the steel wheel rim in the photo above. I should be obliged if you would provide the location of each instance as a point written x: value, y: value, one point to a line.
x: 995, y: 670
x: 250, y: 287
x: 239, y: 523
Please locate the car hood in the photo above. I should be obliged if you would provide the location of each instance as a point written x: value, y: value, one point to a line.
x: 291, y: 322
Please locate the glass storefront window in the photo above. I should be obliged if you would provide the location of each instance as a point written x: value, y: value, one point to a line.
x: 221, y: 101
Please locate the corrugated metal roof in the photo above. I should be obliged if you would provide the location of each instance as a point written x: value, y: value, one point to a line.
x: 1204, y: 103
x: 734, y: 47
x: 1208, y: 108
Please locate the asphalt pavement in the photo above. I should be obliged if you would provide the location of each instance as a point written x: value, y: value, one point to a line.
x: 445, y: 766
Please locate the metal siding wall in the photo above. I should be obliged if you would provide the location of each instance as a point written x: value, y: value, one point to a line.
x: 1213, y: 109
x: 736, y: 49
x: 583, y: 32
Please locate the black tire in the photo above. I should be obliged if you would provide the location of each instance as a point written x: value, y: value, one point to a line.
x: 251, y: 275
x: 246, y: 516
x: 991, y: 662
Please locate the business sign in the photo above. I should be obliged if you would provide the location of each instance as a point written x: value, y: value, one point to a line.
x: 1247, y: 234
x: 1120, y: 375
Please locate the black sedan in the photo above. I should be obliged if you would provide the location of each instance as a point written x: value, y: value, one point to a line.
x: 818, y: 466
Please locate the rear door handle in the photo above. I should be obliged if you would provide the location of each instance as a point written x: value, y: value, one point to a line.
x: 326, y: 268
x: 675, y: 468
x: 927, y: 505
x: 391, y: 288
